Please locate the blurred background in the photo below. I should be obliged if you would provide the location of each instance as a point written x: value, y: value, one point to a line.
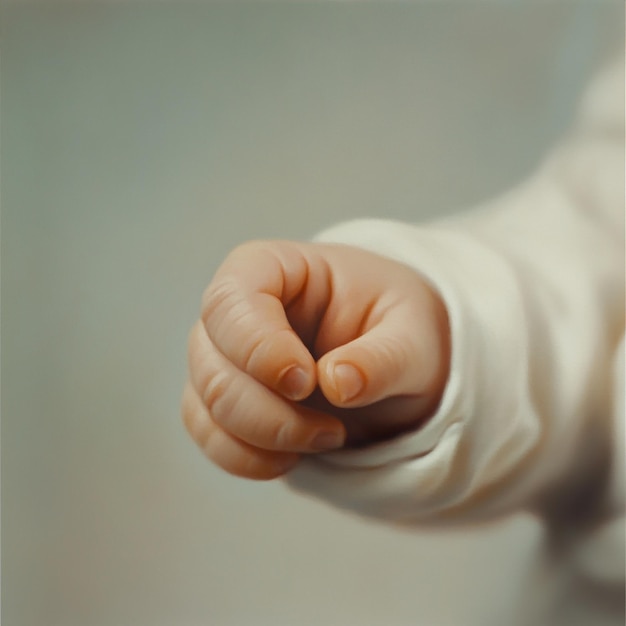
x: 140, y: 142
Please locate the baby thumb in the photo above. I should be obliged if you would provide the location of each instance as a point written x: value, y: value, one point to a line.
x: 391, y: 359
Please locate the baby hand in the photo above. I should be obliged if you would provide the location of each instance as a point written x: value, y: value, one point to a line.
x: 305, y: 347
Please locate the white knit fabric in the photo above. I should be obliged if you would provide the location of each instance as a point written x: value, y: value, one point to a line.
x: 534, y: 286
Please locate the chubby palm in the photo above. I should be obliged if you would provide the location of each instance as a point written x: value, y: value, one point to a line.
x: 305, y: 347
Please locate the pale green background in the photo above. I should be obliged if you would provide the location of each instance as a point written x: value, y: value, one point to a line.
x: 139, y: 144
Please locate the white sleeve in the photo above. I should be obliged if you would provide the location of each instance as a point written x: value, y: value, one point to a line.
x: 534, y: 287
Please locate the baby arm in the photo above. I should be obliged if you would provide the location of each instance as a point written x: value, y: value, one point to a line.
x: 481, y: 345
x: 534, y: 288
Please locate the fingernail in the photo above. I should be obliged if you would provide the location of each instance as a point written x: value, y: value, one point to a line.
x: 348, y: 381
x: 327, y: 441
x: 292, y: 383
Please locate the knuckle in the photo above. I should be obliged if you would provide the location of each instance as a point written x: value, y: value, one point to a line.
x: 245, y: 248
x: 248, y: 251
x: 280, y: 435
x: 258, y: 430
x: 215, y: 394
x: 242, y: 319
x: 254, y: 349
x: 219, y: 296
x: 257, y: 245
x: 266, y: 352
